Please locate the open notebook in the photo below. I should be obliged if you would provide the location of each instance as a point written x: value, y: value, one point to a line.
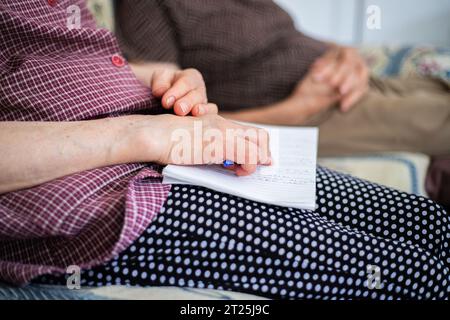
x: 289, y: 182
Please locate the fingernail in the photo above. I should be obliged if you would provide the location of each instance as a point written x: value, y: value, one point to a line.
x: 201, y: 109
x: 170, y: 100
x: 184, y: 107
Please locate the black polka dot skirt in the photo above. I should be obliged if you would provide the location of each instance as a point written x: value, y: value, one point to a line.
x: 363, y: 241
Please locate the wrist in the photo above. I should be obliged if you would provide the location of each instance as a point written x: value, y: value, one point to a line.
x: 134, y: 140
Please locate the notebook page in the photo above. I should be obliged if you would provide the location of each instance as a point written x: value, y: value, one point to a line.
x: 289, y: 182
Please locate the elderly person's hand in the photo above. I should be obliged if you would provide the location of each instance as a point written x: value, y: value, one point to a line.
x: 201, y: 140
x: 307, y: 102
x: 310, y: 98
x: 344, y: 69
x: 182, y: 90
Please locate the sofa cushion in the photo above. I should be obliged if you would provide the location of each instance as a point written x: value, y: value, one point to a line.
x: 401, y: 171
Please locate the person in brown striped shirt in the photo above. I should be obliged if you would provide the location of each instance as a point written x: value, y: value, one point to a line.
x: 258, y: 67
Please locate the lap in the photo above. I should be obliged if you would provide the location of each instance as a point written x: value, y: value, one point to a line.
x: 396, y: 115
x: 207, y: 239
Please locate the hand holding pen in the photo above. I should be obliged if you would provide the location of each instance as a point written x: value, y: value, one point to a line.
x: 240, y: 170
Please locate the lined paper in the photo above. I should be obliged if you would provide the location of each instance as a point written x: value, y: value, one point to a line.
x: 289, y: 182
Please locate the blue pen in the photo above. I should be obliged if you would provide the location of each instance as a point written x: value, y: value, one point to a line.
x: 228, y: 163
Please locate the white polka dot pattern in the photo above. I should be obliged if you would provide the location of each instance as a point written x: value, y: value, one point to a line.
x: 206, y: 239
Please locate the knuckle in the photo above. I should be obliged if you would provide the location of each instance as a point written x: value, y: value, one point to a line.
x: 164, y: 72
x: 201, y: 93
x: 183, y: 81
x: 195, y: 73
x: 158, y: 73
x: 199, y: 98
x: 194, y: 95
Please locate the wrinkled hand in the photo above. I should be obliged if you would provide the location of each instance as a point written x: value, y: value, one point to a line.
x: 314, y: 96
x: 307, y: 102
x: 344, y: 69
x: 209, y: 139
x: 182, y: 90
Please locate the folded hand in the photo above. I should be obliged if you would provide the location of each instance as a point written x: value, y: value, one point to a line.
x: 344, y: 69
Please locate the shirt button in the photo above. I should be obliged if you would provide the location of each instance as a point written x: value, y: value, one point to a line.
x: 52, y: 2
x: 118, y: 60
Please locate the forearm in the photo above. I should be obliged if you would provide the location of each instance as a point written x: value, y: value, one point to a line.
x: 37, y: 152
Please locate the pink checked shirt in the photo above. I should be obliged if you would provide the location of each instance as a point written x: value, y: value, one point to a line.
x: 50, y: 72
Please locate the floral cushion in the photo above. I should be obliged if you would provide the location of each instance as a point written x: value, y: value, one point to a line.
x: 402, y: 171
x: 409, y: 61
